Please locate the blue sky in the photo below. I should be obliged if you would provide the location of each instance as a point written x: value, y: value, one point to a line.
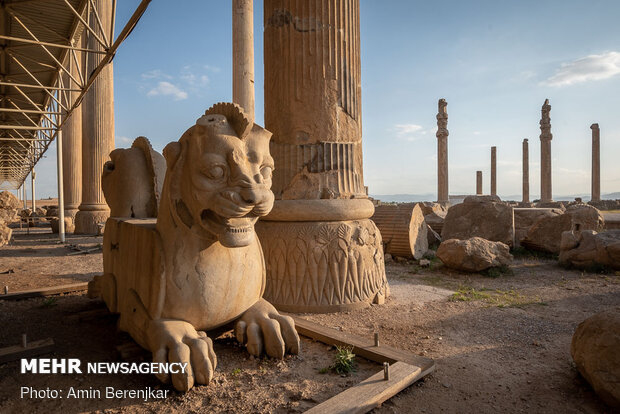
x: 495, y: 62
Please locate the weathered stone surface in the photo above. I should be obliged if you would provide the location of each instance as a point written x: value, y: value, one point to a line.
x: 595, y: 348
x: 442, y: 152
x: 132, y: 181
x: 402, y: 228
x: 435, y: 220
x: 433, y: 237
x: 587, y: 249
x: 474, y: 254
x: 69, y: 226
x: 199, y: 265
x: 40, y: 212
x: 525, y: 219
x: 5, y: 234
x: 479, y: 216
x: 546, y: 234
x: 430, y: 207
x: 8, y: 201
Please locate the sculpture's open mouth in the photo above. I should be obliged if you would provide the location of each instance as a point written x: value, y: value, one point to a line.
x: 236, y: 228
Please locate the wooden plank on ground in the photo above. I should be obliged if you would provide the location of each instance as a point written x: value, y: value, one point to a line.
x: 371, y: 392
x: 362, y: 346
x: 52, y: 290
x: 12, y: 353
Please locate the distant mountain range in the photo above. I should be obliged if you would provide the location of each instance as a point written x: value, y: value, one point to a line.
x: 409, y: 198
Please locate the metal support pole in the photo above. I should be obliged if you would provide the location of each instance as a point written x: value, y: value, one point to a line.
x: 25, y: 195
x: 61, y: 195
x: 33, y: 175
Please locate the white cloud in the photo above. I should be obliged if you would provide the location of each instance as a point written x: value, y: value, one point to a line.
x: 155, y: 74
x: 193, y: 79
x: 168, y: 89
x: 123, y: 140
x: 412, y: 132
x: 589, y: 68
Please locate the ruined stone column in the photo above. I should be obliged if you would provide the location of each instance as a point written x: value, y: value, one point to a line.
x: 322, y: 252
x: 493, y: 170
x: 478, y: 182
x: 596, y: 163
x: 98, y: 134
x: 33, y: 175
x: 72, y: 151
x: 545, y: 154
x: 442, y: 153
x: 243, y: 55
x: 526, y: 172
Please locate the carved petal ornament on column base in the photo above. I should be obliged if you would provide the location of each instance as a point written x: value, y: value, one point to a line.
x: 323, y: 266
x: 87, y: 221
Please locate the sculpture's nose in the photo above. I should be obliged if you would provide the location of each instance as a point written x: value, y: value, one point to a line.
x: 249, y: 195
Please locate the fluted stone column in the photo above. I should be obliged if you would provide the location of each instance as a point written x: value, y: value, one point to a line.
x: 596, y: 163
x: 243, y: 55
x: 493, y: 170
x: 545, y: 154
x: 526, y: 171
x: 98, y: 134
x: 322, y: 252
x: 33, y: 175
x: 478, y: 182
x: 442, y: 152
x: 72, y: 153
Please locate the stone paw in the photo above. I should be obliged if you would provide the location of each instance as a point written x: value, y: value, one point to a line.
x: 262, y: 328
x: 178, y: 341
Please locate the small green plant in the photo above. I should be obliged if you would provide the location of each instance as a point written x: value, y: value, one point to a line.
x: 344, y: 362
x: 49, y: 302
x: 236, y: 372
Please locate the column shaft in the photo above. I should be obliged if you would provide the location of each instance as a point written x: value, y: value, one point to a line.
x: 98, y: 134
x: 545, y: 154
x: 478, y: 182
x: 493, y: 170
x: 243, y: 55
x: 442, y: 152
x: 596, y: 163
x: 526, y: 172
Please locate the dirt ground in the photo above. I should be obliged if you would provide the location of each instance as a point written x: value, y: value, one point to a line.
x: 501, y: 344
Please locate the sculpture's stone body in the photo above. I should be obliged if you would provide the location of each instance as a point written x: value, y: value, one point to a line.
x: 545, y: 154
x: 132, y: 181
x: 200, y: 266
x: 9, y: 205
x: 442, y: 152
x: 526, y: 172
x: 596, y: 162
x: 321, y: 215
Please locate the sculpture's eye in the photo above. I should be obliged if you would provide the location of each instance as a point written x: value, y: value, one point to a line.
x: 266, y: 171
x: 215, y: 172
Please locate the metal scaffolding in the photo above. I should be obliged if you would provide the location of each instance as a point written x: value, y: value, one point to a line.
x: 39, y: 41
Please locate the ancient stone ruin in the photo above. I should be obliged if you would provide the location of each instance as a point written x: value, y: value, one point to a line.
x: 545, y: 154
x: 442, y: 152
x: 199, y: 265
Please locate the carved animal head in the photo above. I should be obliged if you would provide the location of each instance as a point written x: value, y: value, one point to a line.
x: 219, y: 176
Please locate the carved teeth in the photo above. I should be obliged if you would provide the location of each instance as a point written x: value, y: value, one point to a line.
x: 239, y: 230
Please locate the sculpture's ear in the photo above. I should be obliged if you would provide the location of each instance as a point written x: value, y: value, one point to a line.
x: 172, y: 152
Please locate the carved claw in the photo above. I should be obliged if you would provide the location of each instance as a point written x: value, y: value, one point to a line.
x: 262, y: 328
x: 178, y: 341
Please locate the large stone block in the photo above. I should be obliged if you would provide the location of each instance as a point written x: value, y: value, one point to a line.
x: 595, y: 348
x: 479, y: 216
x: 474, y: 254
x: 403, y: 229
x: 546, y: 234
x: 588, y: 249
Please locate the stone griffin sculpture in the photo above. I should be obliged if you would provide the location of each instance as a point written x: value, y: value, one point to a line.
x: 199, y: 266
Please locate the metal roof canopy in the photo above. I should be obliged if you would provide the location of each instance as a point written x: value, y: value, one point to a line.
x: 38, y: 44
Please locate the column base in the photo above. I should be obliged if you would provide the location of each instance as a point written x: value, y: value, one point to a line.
x: 323, y: 266
x: 87, y: 221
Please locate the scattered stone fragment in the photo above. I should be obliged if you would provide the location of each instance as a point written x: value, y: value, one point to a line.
x: 595, y: 348
x: 474, y: 254
x: 589, y: 249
